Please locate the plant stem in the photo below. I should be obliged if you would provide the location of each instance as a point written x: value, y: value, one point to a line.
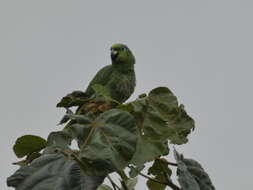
x: 88, y: 138
x: 124, y: 178
x: 114, y: 185
x: 167, y: 162
x: 122, y: 175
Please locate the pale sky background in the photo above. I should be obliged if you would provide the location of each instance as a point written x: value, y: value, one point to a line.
x: 200, y: 49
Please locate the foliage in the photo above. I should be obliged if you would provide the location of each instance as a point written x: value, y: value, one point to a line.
x: 110, y: 137
x: 191, y: 174
x: 28, y: 144
x: 53, y: 171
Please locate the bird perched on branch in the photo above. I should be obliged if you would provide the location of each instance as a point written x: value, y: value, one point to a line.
x: 118, y: 78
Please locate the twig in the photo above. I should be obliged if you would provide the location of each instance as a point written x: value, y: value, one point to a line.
x: 114, y: 185
x: 123, y: 183
x: 168, y: 183
x: 122, y: 174
x: 167, y: 162
x: 124, y: 178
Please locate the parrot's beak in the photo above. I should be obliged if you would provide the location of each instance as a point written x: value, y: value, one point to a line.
x: 114, y: 54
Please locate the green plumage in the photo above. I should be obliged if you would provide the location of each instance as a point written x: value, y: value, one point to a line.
x: 119, y: 77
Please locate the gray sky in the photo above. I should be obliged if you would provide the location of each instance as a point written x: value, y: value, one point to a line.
x: 201, y: 50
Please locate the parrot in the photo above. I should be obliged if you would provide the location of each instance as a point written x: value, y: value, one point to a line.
x: 118, y: 77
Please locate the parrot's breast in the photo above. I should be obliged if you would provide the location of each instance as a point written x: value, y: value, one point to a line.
x: 122, y: 85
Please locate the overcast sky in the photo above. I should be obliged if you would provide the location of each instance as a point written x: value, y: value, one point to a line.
x: 201, y: 50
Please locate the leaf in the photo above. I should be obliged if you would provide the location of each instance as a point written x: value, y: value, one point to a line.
x: 152, y: 185
x: 147, y: 150
x: 179, y: 124
x: 111, y: 142
x: 191, y: 175
x: 104, y: 187
x: 28, y: 144
x: 76, y: 98
x: 59, y: 139
x: 159, y: 167
x: 65, y: 118
x: 159, y: 119
x: 78, y: 118
x: 162, y: 173
x: 53, y: 171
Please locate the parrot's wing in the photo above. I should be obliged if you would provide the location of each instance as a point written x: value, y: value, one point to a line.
x: 102, y: 77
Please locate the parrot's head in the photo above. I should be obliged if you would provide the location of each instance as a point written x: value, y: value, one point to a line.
x: 121, y: 54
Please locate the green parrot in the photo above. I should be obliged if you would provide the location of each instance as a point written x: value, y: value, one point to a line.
x: 118, y: 78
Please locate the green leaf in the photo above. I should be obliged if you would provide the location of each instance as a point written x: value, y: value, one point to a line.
x: 163, y: 103
x: 147, y: 150
x: 111, y: 142
x: 104, y: 187
x: 162, y: 173
x: 28, y: 144
x: 53, y: 171
x: 81, y: 119
x: 159, y: 167
x: 159, y: 119
x: 76, y: 98
x: 152, y: 185
x: 191, y: 175
x: 59, y: 139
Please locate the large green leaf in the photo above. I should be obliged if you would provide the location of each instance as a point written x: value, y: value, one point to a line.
x: 108, y: 143
x: 53, y: 171
x: 191, y: 175
x: 163, y: 106
x: 159, y: 119
x: 28, y: 144
x: 148, y: 149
